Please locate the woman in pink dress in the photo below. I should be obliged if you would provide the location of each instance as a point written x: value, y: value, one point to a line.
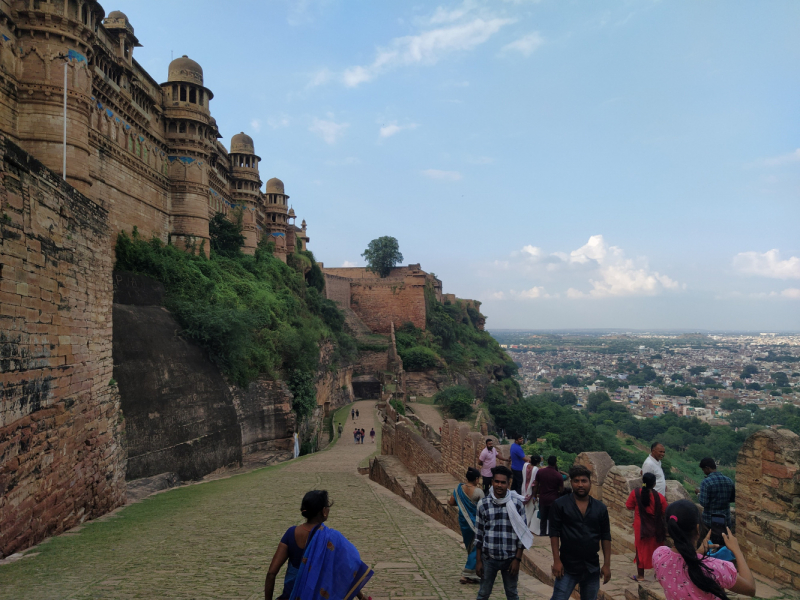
x: 685, y: 573
x: 648, y: 522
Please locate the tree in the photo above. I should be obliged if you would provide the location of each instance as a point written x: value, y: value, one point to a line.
x: 696, y: 370
x: 226, y: 236
x: 748, y: 371
x: 676, y: 377
x: 567, y: 399
x: 456, y: 400
x: 738, y: 385
x: 781, y: 379
x: 697, y: 403
x: 730, y: 404
x: 739, y: 418
x: 595, y: 399
x: 753, y: 386
x: 382, y: 255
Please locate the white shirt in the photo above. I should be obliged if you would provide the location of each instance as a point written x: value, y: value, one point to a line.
x: 651, y: 465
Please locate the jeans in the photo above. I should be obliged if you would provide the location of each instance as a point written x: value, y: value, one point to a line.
x: 490, y: 569
x: 544, y: 518
x: 487, y: 483
x: 516, y: 484
x: 589, y: 582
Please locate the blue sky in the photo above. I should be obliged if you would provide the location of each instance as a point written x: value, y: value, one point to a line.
x: 570, y: 164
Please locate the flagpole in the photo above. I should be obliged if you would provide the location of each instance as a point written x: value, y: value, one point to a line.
x: 64, y: 166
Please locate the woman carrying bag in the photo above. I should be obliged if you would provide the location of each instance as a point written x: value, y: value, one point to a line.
x: 649, y: 527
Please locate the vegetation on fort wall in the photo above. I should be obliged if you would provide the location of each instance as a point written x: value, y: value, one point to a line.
x: 456, y: 401
x: 254, y: 315
x: 453, y: 342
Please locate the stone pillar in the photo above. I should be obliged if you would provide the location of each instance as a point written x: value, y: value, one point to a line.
x: 768, y: 504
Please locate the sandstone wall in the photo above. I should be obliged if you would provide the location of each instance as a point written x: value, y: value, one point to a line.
x: 370, y: 363
x: 61, y: 460
x: 264, y: 416
x: 337, y: 288
x: 380, y: 303
x: 768, y: 504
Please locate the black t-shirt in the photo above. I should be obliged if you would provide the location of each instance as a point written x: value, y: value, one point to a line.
x: 580, y: 534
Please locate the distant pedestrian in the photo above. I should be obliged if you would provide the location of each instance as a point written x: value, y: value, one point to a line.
x: 363, y: 435
x: 579, y: 527
x: 487, y: 461
x: 686, y: 573
x: 529, y: 500
x: 372, y: 435
x: 547, y: 487
x: 356, y: 413
x: 353, y: 413
x: 356, y: 434
x: 518, y: 460
x: 652, y: 464
x: 340, y: 428
x: 715, y: 496
x: 649, y: 528
x: 501, y: 535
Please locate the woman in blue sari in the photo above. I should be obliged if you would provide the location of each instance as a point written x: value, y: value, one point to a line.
x: 323, y: 564
x: 466, y: 496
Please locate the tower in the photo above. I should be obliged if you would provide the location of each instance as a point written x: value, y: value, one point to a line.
x: 191, y: 137
x: 275, y: 223
x: 246, y: 186
x: 50, y: 34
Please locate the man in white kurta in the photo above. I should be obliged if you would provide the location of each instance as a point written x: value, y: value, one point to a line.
x: 652, y: 464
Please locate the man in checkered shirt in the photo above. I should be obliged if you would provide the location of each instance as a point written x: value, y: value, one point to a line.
x: 715, y: 494
x: 498, y: 547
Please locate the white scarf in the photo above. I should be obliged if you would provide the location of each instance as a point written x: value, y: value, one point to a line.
x: 517, y: 521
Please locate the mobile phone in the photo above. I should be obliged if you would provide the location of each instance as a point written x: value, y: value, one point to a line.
x: 718, y: 527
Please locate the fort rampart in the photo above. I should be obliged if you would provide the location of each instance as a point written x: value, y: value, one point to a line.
x: 61, y: 460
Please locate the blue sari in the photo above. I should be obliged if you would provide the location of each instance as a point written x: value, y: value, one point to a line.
x: 467, y: 510
x: 331, y: 568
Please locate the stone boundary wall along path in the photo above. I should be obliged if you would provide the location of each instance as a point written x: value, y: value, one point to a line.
x: 61, y: 460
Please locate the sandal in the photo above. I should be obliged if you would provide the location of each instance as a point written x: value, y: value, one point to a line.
x: 633, y: 577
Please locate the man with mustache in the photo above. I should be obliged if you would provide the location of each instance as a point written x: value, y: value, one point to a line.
x: 580, y: 525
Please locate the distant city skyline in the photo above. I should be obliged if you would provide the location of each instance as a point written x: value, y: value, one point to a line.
x: 628, y: 165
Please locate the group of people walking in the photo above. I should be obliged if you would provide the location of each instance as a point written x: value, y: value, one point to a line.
x: 500, y: 509
x: 360, y: 434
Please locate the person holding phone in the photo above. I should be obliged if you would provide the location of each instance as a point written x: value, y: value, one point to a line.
x: 715, y: 496
x: 686, y: 572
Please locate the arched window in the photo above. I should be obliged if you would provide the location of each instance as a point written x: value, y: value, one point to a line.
x: 183, y: 93
x: 182, y: 128
x: 193, y: 96
x: 173, y: 127
x: 174, y: 92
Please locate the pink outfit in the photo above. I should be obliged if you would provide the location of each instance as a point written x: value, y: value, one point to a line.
x: 489, y: 460
x: 671, y: 574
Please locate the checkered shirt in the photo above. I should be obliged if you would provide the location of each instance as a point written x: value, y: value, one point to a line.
x: 494, y: 533
x: 715, y: 495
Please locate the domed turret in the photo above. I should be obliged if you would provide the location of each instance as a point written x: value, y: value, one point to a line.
x: 292, y: 213
x: 185, y: 69
x: 275, y: 186
x: 117, y: 14
x: 242, y: 143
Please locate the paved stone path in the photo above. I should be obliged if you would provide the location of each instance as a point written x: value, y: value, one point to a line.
x: 215, y: 539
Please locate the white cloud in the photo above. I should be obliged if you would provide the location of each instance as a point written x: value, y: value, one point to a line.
x: 783, y: 159
x: 606, y: 270
x: 533, y: 293
x: 278, y: 122
x: 525, y: 45
x: 393, y: 128
x: 497, y: 296
x: 348, y: 264
x: 255, y: 125
x: 793, y: 293
x: 321, y: 77
x: 442, y: 175
x: 428, y: 47
x: 768, y: 264
x: 329, y: 130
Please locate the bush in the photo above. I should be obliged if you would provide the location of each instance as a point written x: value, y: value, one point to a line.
x: 456, y: 400
x: 253, y: 315
x: 419, y: 358
x: 398, y: 406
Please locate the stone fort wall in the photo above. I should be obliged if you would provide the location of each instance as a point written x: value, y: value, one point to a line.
x: 61, y: 459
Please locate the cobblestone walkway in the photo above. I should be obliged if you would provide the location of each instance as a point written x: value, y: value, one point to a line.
x: 215, y: 540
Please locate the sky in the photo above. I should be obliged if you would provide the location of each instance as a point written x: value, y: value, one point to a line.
x: 569, y: 164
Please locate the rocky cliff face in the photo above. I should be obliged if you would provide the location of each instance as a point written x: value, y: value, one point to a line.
x: 428, y: 383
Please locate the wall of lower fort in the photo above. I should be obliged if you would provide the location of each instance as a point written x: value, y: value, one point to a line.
x: 61, y: 458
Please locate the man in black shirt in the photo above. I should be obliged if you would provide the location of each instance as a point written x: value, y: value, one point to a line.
x: 581, y: 524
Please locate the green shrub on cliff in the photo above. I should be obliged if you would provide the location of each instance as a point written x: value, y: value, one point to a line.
x: 254, y: 315
x: 418, y: 358
x: 456, y: 400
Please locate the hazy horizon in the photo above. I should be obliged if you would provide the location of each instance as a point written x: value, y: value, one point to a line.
x: 632, y: 165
